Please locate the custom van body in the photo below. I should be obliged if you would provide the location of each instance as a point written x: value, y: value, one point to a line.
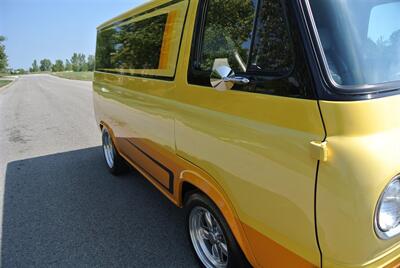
x: 274, y: 123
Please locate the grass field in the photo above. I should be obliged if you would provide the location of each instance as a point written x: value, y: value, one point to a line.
x: 85, y: 76
x: 4, y: 83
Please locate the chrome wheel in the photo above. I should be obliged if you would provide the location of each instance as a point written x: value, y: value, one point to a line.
x: 208, y: 239
x: 108, y: 148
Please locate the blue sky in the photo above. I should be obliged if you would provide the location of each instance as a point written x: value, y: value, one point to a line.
x: 54, y: 29
x: 384, y: 21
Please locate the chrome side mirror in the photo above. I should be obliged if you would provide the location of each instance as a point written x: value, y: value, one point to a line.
x: 223, y: 78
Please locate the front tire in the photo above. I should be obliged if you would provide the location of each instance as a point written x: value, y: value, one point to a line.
x: 210, y: 235
x: 115, y: 163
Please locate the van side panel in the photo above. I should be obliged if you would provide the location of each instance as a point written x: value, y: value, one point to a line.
x: 265, y: 168
x: 136, y: 104
x: 125, y: 105
x: 257, y: 148
x: 249, y: 153
x: 182, y: 172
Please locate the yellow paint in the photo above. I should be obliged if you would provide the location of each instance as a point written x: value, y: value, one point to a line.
x: 257, y: 147
x: 167, y: 40
x: 364, y: 152
x: 256, y: 156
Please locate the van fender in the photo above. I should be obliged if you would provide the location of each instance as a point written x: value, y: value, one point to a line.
x: 206, y: 184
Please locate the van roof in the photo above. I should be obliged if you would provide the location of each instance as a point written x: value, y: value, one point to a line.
x: 135, y: 11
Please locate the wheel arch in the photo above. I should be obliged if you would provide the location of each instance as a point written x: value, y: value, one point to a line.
x: 192, y: 181
x: 191, y: 178
x: 103, y: 125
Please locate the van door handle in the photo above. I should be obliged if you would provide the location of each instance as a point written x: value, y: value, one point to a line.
x: 237, y: 80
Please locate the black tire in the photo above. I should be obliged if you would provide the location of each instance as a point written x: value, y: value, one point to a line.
x: 118, y: 165
x: 236, y: 257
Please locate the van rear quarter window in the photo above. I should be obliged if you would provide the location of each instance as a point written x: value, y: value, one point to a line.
x: 135, y: 45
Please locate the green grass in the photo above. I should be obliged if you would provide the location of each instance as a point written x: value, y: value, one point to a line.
x: 84, y: 76
x: 3, y: 74
x: 4, y: 83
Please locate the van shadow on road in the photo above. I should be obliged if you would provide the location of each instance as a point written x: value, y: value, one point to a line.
x: 67, y: 210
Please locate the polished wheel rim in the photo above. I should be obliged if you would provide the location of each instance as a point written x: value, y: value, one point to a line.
x: 208, y: 239
x: 108, y: 148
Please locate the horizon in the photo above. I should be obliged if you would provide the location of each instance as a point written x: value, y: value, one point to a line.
x: 27, y: 23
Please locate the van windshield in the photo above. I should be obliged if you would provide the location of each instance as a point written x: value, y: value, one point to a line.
x: 360, y: 40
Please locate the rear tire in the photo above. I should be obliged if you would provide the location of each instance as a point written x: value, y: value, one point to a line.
x: 115, y: 163
x: 211, y: 238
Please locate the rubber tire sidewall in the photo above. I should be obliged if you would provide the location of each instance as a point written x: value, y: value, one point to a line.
x: 120, y: 166
x: 236, y: 258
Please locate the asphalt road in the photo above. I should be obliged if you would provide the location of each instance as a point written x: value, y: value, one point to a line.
x: 59, y: 206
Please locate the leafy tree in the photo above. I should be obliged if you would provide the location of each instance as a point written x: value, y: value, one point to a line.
x: 82, y: 63
x: 68, y: 65
x: 45, y: 65
x: 58, y: 66
x: 35, y: 67
x: 90, y: 63
x: 19, y: 71
x: 75, y: 62
x: 78, y: 62
x: 3, y: 56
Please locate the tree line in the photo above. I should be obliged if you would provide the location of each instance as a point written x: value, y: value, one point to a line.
x: 77, y: 63
x: 3, y: 56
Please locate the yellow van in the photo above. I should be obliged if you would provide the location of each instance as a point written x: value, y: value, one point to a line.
x: 274, y: 123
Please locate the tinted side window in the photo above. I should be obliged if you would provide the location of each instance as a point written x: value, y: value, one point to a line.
x: 258, y: 39
x: 135, y: 45
x: 272, y: 50
x: 227, y: 34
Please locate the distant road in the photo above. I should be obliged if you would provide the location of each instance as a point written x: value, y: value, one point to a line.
x: 61, y: 208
